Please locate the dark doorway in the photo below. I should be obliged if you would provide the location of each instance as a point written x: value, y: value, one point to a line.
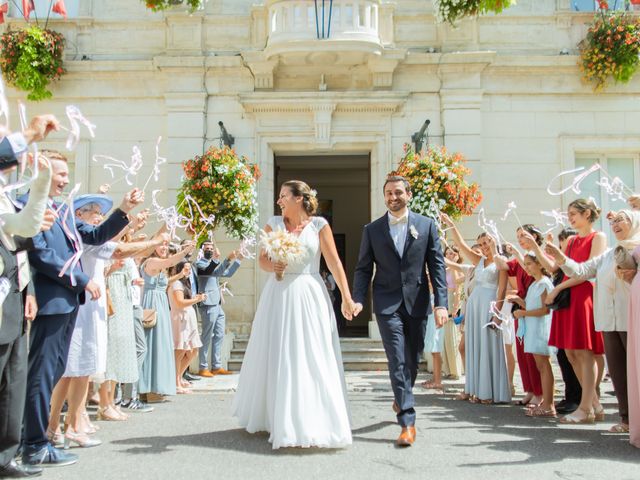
x: 343, y: 186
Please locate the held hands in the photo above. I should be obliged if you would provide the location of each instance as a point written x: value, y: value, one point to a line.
x: 131, y: 200
x: 347, y: 309
x: 356, y: 309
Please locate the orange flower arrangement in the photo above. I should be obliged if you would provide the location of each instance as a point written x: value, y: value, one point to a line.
x: 611, y: 48
x: 224, y: 185
x: 437, y: 182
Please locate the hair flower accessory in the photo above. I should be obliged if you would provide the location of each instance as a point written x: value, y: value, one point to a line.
x: 414, y: 232
x: 313, y: 193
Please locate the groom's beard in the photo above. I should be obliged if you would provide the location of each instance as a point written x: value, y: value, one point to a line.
x: 396, y: 206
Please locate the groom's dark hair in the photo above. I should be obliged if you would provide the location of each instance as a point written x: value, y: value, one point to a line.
x: 397, y: 178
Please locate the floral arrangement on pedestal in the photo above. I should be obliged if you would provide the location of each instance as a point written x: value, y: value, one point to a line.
x: 437, y: 182
x: 223, y: 185
x: 158, y: 5
x: 611, y: 48
x: 31, y: 58
x: 453, y: 10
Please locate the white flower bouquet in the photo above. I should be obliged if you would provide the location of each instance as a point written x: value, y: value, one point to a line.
x: 282, y: 246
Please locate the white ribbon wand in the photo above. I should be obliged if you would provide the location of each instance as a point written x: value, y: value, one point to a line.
x: 155, y: 173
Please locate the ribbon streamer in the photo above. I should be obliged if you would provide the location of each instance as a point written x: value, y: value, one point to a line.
x: 577, y: 180
x: 4, y: 105
x: 130, y: 170
x: 75, y: 119
x: 155, y: 173
x: 490, y: 227
x: 559, y: 219
x: 614, y: 188
x: 245, y: 245
x: 72, y: 234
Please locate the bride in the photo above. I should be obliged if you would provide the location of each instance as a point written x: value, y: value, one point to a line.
x: 292, y: 380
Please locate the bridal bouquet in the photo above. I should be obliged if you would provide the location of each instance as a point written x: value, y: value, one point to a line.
x: 282, y: 246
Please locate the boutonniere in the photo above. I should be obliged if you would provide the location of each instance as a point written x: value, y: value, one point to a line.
x: 414, y: 232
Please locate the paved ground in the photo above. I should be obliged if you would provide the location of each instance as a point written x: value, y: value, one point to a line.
x: 194, y: 437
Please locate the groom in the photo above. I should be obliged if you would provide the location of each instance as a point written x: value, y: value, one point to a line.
x: 400, y: 244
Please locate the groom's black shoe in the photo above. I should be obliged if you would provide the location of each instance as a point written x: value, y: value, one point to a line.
x: 407, y: 437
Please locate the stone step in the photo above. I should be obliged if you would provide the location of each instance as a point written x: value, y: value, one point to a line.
x: 345, y: 343
x: 346, y: 355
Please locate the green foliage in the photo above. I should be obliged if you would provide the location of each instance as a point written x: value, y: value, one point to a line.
x: 158, y: 5
x: 453, y: 10
x: 31, y: 58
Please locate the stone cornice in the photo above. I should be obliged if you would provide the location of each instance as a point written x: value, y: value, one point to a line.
x: 307, y: 102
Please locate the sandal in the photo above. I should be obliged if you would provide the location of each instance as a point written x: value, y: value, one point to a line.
x: 572, y: 419
x: 183, y: 391
x: 619, y: 428
x: 599, y: 415
x: 432, y: 386
x: 463, y: 397
x: 539, y: 411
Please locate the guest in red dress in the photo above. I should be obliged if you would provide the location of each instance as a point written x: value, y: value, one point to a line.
x: 573, y: 328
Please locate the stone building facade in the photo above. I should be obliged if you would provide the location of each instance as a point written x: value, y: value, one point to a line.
x: 505, y: 90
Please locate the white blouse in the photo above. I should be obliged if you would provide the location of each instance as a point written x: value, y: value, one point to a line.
x: 611, y: 295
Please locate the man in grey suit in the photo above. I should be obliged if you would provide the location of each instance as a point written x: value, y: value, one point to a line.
x: 209, y: 268
x: 402, y: 245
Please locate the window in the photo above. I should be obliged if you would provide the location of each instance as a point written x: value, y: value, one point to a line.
x: 591, y: 5
x: 42, y: 8
x: 624, y: 166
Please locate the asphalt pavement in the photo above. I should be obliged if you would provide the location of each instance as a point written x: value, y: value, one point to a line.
x: 195, y: 437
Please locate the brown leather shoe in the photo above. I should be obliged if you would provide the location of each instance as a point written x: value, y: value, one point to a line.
x: 395, y: 407
x: 221, y: 371
x: 407, y: 437
x: 205, y: 373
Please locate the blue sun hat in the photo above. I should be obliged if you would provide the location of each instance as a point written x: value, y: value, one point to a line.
x: 104, y: 202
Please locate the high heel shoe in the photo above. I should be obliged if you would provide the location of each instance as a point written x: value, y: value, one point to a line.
x: 81, y: 439
x: 109, y: 414
x: 56, y: 438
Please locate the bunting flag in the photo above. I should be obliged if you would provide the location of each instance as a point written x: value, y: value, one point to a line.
x: 59, y: 8
x: 27, y: 7
x: 4, y: 9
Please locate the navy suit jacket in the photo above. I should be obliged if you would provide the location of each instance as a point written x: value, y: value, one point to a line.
x: 397, y: 279
x: 208, y: 273
x: 52, y: 249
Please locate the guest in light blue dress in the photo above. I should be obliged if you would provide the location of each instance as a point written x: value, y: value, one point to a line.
x: 487, y: 377
x: 158, y: 368
x: 534, y: 328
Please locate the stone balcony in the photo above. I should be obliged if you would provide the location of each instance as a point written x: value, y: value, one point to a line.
x: 296, y: 26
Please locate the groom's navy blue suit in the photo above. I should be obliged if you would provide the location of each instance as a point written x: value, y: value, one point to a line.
x: 401, y: 299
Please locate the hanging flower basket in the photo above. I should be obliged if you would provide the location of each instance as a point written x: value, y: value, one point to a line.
x: 437, y: 182
x: 453, y: 10
x: 611, y: 48
x: 31, y: 58
x: 223, y: 185
x: 159, y: 5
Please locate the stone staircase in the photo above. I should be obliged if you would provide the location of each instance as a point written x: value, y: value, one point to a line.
x: 358, y: 354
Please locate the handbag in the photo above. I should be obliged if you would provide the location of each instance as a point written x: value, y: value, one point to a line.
x: 563, y: 299
x: 149, y: 318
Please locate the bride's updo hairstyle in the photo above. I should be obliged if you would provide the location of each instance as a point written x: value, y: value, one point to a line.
x: 582, y: 205
x: 301, y: 189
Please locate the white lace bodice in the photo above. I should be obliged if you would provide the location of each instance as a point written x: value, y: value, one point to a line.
x: 310, y: 238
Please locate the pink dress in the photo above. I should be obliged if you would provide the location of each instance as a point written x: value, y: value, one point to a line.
x: 184, y: 323
x: 633, y: 358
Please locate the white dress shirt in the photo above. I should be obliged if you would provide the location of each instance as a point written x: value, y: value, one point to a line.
x: 398, y: 228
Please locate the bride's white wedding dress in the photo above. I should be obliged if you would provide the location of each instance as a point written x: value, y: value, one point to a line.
x: 292, y: 380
